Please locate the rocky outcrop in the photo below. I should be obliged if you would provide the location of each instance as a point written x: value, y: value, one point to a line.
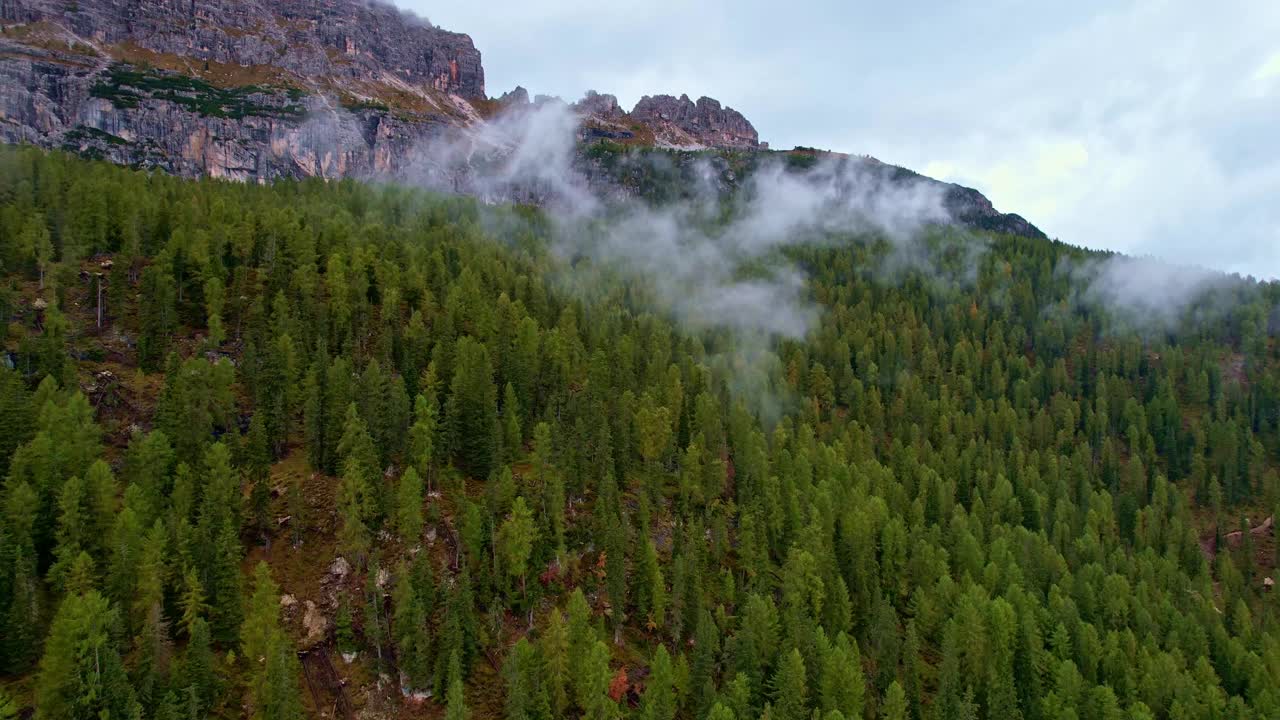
x: 684, y: 123
x: 241, y: 89
x: 515, y: 97
x: 313, y: 40
x: 600, y: 106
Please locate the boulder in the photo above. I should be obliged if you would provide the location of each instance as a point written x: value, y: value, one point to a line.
x: 315, y: 625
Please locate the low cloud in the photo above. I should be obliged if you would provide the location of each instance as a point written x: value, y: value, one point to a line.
x: 1148, y: 294
x: 706, y: 272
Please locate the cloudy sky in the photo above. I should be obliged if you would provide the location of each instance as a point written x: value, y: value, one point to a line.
x: 1146, y: 126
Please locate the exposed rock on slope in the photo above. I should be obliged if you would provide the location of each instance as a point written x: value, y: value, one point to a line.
x: 248, y: 90
x: 313, y: 40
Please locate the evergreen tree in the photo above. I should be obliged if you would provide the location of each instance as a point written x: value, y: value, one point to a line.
x: 422, y: 435
x: 894, y: 706
x: 554, y: 646
x: 659, y: 702
x: 274, y: 681
x: 842, y: 686
x: 344, y: 632
x: 515, y: 541
x: 81, y: 675
x: 790, y: 689
x: 199, y: 672
x: 472, y: 409
x: 512, y: 438
x: 455, y: 705
x: 409, y: 506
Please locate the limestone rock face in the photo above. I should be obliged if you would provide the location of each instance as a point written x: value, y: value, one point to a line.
x: 602, y: 106
x: 515, y: 97
x: 336, y: 39
x: 241, y: 89
x: 682, y: 122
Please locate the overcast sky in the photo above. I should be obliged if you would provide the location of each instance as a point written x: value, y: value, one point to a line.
x: 1146, y: 126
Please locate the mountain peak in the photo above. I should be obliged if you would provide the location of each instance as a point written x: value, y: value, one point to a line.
x: 681, y: 122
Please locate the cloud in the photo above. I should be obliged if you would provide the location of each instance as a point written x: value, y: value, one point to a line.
x: 1136, y: 129
x: 684, y: 259
x: 1170, y: 103
x: 1150, y: 294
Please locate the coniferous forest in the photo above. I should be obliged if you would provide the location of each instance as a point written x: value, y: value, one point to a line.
x: 340, y: 450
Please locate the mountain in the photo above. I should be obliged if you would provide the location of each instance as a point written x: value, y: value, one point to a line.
x: 745, y: 434
x: 258, y: 91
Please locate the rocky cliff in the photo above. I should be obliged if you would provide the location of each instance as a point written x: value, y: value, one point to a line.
x: 257, y: 90
x: 244, y: 89
x: 682, y: 122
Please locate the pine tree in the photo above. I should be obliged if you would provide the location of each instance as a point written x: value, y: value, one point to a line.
x: 274, y: 681
x: 16, y: 416
x: 81, y: 675
x: 894, y: 706
x: 720, y: 712
x: 214, y: 297
x: 148, y: 466
x: 594, y: 686
x: 554, y: 645
x: 842, y: 685
x: 525, y: 695
x: 199, y: 672
x: 706, y: 650
x: 651, y: 596
x: 515, y: 541
x: 357, y: 503
x: 22, y: 621
x: 409, y: 506
x: 659, y: 702
x: 344, y: 632
x: 224, y: 586
x: 192, y: 602
x: 582, y: 637
x: 1002, y: 695
x: 36, y: 240
x: 257, y: 464
x: 472, y: 408
x: 74, y: 529
x: 410, y: 626
x: 455, y: 705
x: 512, y: 438
x: 790, y: 689
x: 281, y: 697
x: 422, y: 435
x: 553, y: 497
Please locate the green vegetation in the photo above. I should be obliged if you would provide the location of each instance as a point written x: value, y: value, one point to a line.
x: 981, y: 496
x: 126, y: 86
x: 356, y: 105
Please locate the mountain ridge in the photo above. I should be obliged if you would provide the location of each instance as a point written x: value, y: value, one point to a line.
x: 256, y: 92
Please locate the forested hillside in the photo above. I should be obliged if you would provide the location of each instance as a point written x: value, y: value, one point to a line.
x: 337, y: 450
